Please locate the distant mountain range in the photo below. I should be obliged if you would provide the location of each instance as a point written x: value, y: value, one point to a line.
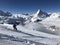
x: 2, y: 13
x: 7, y: 17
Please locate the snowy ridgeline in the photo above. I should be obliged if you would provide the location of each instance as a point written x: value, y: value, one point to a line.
x: 36, y: 29
x: 22, y: 18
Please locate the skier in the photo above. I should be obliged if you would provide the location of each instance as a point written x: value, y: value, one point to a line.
x: 14, y: 26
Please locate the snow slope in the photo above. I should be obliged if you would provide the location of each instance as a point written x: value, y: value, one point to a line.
x: 35, y: 36
x: 9, y: 42
x: 53, y: 20
x: 32, y: 33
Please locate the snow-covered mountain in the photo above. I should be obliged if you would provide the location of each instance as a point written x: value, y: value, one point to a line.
x: 2, y: 13
x: 54, y: 19
x: 11, y: 18
x: 52, y: 22
x: 39, y: 15
x: 22, y: 18
x: 36, y: 29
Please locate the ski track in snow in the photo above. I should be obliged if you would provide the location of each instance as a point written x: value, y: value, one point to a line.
x: 25, y: 37
x: 21, y: 32
x: 17, y: 39
x: 5, y: 29
x: 11, y: 38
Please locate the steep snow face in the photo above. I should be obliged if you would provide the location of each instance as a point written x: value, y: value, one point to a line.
x: 54, y: 19
x: 39, y: 15
x: 52, y: 22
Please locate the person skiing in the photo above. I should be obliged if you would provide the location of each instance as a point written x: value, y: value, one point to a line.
x: 14, y: 26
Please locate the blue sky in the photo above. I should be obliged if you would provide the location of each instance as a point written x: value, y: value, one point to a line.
x: 29, y: 6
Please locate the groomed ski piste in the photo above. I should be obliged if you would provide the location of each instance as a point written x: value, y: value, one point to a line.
x: 25, y: 36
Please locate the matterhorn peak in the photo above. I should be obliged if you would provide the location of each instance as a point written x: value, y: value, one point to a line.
x: 39, y: 15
